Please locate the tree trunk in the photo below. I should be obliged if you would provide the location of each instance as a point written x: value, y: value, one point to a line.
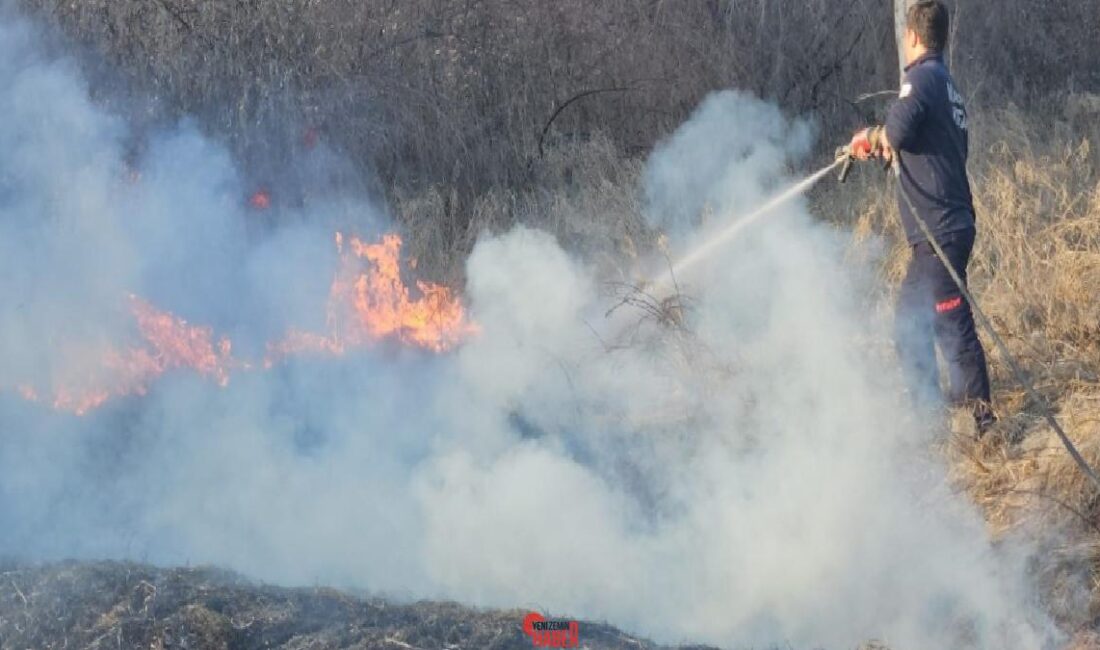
x: 900, y: 8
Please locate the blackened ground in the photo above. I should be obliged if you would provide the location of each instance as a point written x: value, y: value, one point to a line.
x: 122, y: 605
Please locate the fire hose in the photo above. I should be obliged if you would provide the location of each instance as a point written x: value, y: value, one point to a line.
x: 845, y: 159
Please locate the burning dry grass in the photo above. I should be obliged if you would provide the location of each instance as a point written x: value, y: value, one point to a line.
x: 1037, y: 268
x: 1036, y: 272
x: 369, y: 301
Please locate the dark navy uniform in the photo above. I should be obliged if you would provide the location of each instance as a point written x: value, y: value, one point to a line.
x: 928, y: 126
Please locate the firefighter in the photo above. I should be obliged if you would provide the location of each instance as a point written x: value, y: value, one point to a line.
x: 928, y: 126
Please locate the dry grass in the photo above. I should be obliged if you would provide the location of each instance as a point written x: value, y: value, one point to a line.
x: 466, y: 95
x: 1036, y: 272
x: 585, y: 193
x: 456, y: 111
x: 470, y: 97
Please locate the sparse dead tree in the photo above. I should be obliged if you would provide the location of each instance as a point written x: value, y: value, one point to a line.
x: 901, y: 8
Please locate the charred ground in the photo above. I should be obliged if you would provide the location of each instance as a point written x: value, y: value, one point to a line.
x: 123, y: 605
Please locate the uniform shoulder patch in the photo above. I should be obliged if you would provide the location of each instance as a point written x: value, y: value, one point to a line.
x: 906, y: 90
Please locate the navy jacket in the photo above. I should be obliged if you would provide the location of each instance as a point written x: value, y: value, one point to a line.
x: 928, y: 126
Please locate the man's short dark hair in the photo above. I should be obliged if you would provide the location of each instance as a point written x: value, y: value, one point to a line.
x: 929, y: 21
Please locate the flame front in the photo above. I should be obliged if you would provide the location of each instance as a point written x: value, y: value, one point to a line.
x: 169, y: 342
x: 175, y: 344
x: 367, y: 302
x: 378, y: 303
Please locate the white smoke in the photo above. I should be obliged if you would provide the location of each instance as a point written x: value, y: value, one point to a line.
x: 723, y: 161
x: 757, y: 483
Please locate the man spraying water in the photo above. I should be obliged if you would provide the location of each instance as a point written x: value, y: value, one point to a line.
x: 928, y: 127
x: 926, y: 138
x: 926, y: 141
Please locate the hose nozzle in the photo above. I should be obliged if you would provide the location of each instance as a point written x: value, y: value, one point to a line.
x: 844, y: 154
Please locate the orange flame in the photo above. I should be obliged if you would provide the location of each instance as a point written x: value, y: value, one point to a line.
x: 367, y: 302
x: 381, y: 301
x: 175, y: 344
x: 169, y: 343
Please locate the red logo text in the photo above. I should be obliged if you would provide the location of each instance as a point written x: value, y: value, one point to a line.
x: 551, y: 634
x: 949, y: 305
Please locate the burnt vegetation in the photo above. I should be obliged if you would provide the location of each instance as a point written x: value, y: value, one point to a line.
x: 116, y: 605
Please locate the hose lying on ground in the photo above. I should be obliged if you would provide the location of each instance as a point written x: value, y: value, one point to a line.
x: 1044, y: 406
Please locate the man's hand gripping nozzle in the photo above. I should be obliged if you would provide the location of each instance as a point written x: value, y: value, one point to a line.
x: 867, y: 144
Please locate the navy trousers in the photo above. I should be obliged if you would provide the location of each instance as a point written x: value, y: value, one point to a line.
x: 931, y: 311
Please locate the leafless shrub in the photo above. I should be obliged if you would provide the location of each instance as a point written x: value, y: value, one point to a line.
x: 460, y: 103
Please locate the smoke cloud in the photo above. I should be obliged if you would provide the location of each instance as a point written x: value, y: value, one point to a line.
x: 758, y: 482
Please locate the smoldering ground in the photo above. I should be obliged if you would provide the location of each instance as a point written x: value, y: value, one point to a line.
x: 755, y: 482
